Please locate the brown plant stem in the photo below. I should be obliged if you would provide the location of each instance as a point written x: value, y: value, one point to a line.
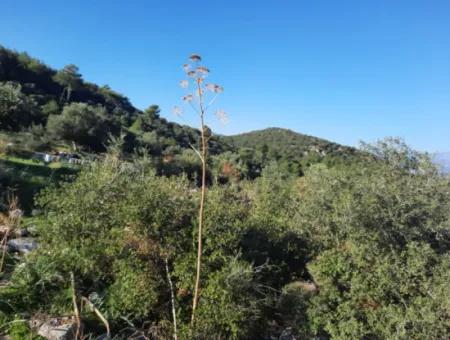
x: 99, y: 314
x: 202, y: 203
x: 4, y: 245
x: 75, y: 306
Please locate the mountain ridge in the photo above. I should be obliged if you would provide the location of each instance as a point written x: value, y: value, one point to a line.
x: 293, y: 139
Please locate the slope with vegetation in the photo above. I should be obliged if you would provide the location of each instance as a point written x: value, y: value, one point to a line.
x: 61, y: 105
x: 302, y: 238
x: 352, y: 252
x: 51, y: 108
x: 295, y: 150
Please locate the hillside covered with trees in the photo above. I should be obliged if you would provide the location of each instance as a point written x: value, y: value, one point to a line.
x: 58, y: 106
x: 295, y: 150
x: 61, y: 105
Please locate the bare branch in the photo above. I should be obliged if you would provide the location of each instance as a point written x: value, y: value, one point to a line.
x: 194, y: 108
x: 211, y: 101
x: 99, y: 314
x: 196, y: 151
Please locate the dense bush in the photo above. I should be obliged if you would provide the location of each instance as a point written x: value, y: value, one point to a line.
x: 83, y: 124
x: 17, y: 110
x: 350, y: 252
x: 368, y: 292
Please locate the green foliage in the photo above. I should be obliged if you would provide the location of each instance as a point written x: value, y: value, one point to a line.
x: 135, y: 288
x: 388, y: 205
x: 379, y: 237
x: 294, y: 150
x: 272, y: 237
x: 83, y: 124
x: 356, y: 248
x: 228, y: 308
x: 19, y: 330
x: 365, y: 292
x: 395, y: 153
x: 292, y: 306
x: 357, y: 251
x: 33, y: 93
x: 69, y: 78
x: 16, y: 109
x: 50, y: 108
x: 110, y: 227
x: 27, y: 178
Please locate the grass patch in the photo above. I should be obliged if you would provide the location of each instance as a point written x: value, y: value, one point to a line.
x: 26, y: 177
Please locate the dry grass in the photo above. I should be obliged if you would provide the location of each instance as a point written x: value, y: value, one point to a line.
x: 11, y: 221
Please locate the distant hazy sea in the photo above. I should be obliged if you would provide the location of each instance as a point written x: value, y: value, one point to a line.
x: 443, y: 161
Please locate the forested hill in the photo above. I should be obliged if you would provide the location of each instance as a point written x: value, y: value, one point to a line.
x: 283, y: 144
x: 53, y: 108
x: 61, y: 105
x: 286, y: 142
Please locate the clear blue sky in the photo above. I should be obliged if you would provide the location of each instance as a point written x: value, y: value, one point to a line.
x: 341, y: 70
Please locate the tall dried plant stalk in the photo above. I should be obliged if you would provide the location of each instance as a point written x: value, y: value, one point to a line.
x: 198, y: 99
x: 11, y: 221
x: 98, y: 313
x: 76, y: 311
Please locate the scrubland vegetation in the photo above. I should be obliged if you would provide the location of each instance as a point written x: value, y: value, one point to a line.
x: 326, y: 242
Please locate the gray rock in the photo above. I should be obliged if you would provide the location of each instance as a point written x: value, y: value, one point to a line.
x: 22, y: 245
x: 58, y: 329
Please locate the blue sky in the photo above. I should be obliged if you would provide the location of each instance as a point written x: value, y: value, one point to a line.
x: 342, y: 70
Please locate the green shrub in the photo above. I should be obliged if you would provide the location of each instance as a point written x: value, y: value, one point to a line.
x: 110, y: 228
x: 135, y: 289
x: 369, y: 293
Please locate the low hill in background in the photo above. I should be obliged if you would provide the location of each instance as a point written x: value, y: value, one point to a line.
x: 280, y: 142
x: 296, y: 149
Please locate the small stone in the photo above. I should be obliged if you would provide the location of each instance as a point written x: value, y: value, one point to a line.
x: 58, y: 329
x: 22, y: 245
